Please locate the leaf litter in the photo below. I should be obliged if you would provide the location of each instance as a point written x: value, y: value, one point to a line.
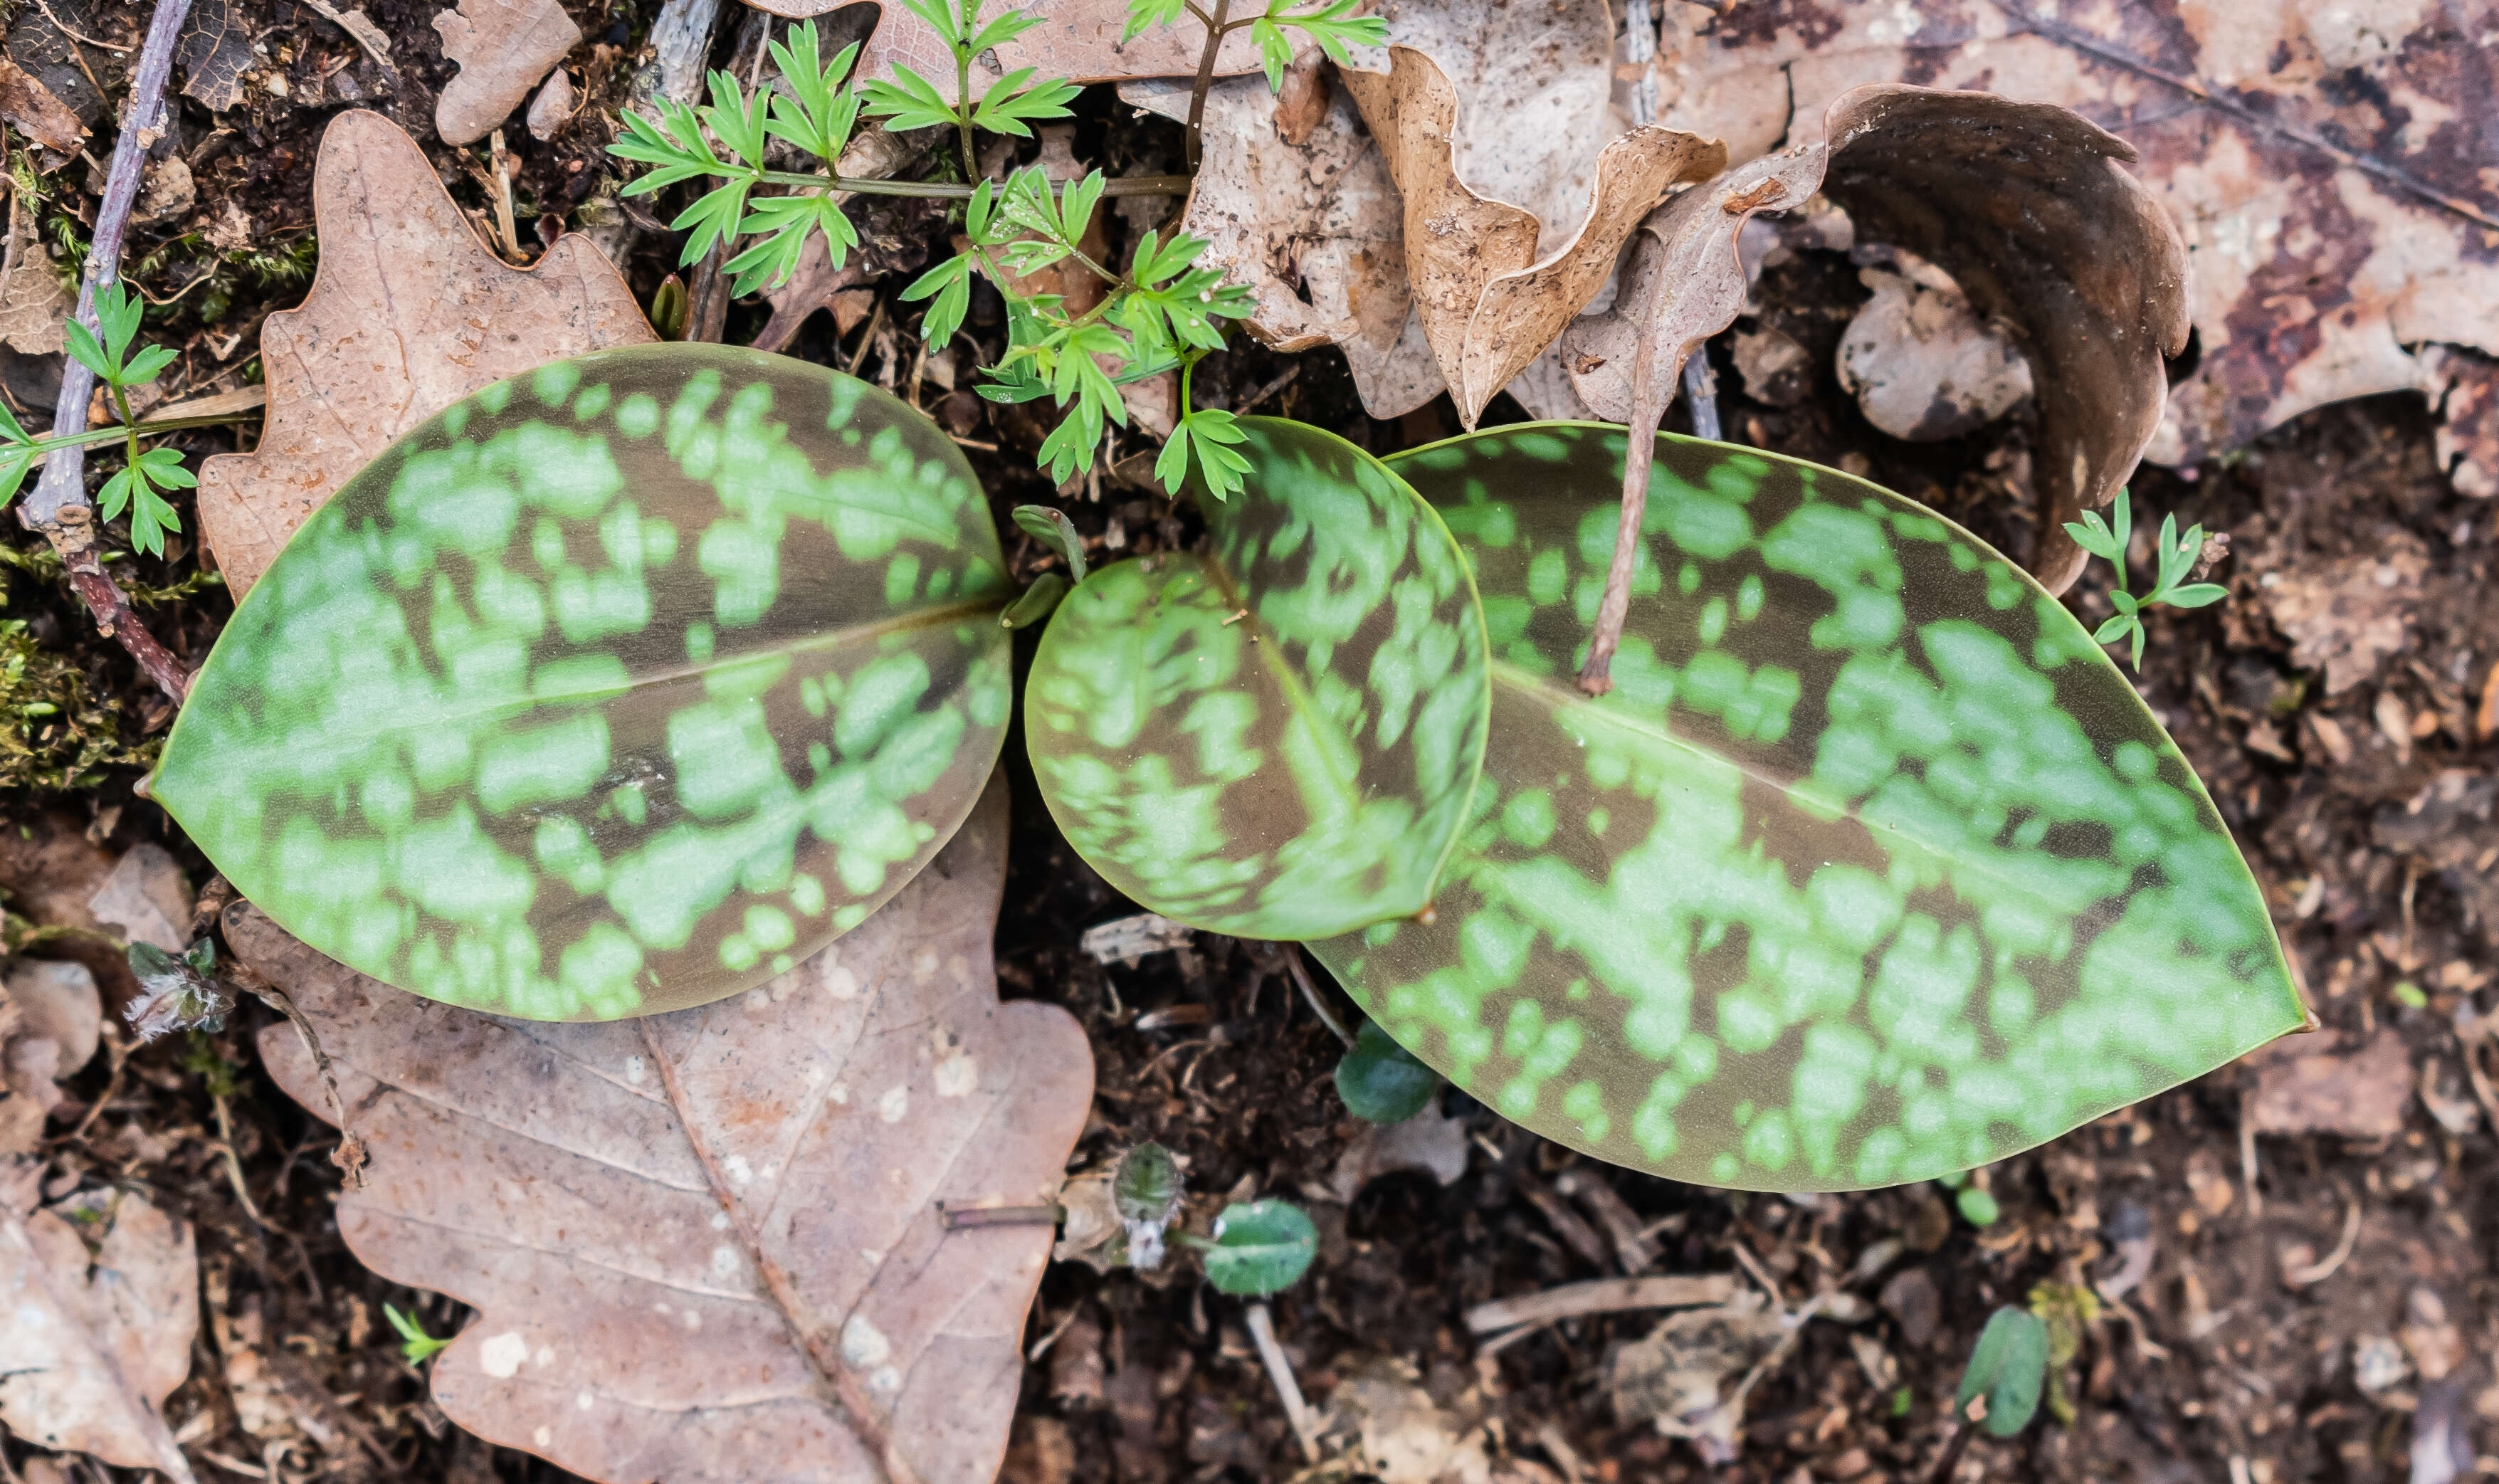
x: 709, y: 1244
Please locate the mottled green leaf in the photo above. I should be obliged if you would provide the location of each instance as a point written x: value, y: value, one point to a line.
x: 1260, y: 1247
x: 2006, y: 1367
x: 1870, y: 867
x: 1274, y: 739
x: 1381, y: 1081
x: 615, y: 687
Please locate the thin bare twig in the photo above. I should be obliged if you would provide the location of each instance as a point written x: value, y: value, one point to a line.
x: 1194, y: 144
x: 1280, y: 1370
x: 58, y: 507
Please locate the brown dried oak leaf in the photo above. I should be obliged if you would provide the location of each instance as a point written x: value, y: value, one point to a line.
x: 504, y: 48
x: 1495, y: 283
x: 2329, y: 166
x: 408, y: 313
x: 92, y: 1343
x: 708, y: 1245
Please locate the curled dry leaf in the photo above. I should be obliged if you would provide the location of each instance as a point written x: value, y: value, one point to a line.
x: 1684, y: 1377
x: 706, y: 1245
x: 408, y: 313
x: 1320, y: 213
x: 1493, y: 284
x: 1081, y: 41
x: 2029, y: 208
x: 2325, y: 165
x: 505, y: 48
x: 94, y: 1340
x: 28, y: 105
x: 1922, y: 364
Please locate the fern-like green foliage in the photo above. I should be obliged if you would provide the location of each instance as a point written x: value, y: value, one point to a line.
x: 136, y: 488
x: 2173, y: 555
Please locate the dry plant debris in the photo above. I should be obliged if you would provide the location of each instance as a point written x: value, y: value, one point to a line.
x: 409, y: 312
x: 505, y: 48
x: 2322, y: 166
x: 27, y: 105
x: 708, y: 1245
x: 51, y: 1019
x: 1923, y: 364
x: 95, y: 1340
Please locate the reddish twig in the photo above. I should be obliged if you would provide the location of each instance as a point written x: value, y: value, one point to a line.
x: 58, y: 507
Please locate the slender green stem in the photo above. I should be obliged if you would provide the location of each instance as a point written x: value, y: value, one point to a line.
x: 122, y: 404
x: 964, y: 99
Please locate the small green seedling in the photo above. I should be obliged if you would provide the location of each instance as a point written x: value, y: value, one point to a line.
x: 177, y: 993
x: 2175, y: 554
x: 2006, y: 1369
x: 417, y: 1345
x: 2067, y: 1309
x: 1258, y: 1247
x: 1145, y: 1191
x: 1381, y: 1081
x: 135, y: 488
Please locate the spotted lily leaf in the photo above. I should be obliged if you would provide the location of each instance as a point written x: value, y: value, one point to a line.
x: 1277, y: 739
x: 616, y: 688
x: 1871, y: 868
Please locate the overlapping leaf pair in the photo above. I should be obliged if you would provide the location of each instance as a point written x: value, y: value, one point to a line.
x: 621, y: 687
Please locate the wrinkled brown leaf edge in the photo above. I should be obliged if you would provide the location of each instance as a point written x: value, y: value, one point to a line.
x: 1492, y: 297
x: 973, y: 865
x: 2026, y: 205
x: 369, y: 173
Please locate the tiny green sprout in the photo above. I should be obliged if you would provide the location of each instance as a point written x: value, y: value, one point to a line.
x: 671, y: 309
x: 2407, y: 995
x: 2175, y: 556
x: 2007, y: 1367
x: 2066, y: 1310
x: 1145, y: 1191
x: 177, y: 991
x: 418, y: 1346
x: 1054, y: 530
x: 1260, y: 1247
x: 1977, y: 1207
x: 105, y: 351
x: 1381, y: 1081
x: 1901, y: 1400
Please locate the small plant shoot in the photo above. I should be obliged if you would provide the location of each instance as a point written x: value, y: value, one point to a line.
x: 1258, y: 1247
x: 2174, y: 555
x: 1381, y: 1081
x: 2007, y: 1369
x: 1146, y: 1192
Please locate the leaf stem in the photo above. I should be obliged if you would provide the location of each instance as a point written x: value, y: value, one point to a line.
x: 1215, y: 30
x: 947, y: 191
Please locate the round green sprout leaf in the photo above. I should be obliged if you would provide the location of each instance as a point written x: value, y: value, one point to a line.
x: 2007, y: 1367
x: 613, y: 689
x: 1870, y: 867
x: 1277, y: 739
x: 1382, y: 1081
x: 1977, y: 1207
x: 1147, y: 1185
x: 1259, y: 1248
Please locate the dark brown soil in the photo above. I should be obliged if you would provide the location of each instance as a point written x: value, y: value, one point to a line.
x: 2361, y: 796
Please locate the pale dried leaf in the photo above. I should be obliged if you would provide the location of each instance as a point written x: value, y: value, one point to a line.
x: 503, y: 49
x: 408, y: 313
x: 706, y: 1245
x: 1079, y: 42
x: 56, y: 1000
x: 1397, y: 1434
x: 94, y: 1344
x: 1426, y: 1143
x: 34, y: 307
x: 1683, y: 1376
x: 215, y: 52
x: 552, y: 109
x: 2360, y: 1092
x: 2029, y: 207
x: 1684, y: 284
x: 2326, y: 165
x: 28, y: 106
x: 1922, y: 364
x: 2346, y: 615
x: 1493, y: 289
x: 1320, y: 218
x: 144, y: 899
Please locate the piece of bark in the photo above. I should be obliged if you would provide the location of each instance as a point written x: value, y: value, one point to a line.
x: 708, y: 1245
x: 408, y: 312
x: 504, y: 48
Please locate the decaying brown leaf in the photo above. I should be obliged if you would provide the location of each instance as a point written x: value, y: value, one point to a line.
x: 2029, y: 208
x: 215, y: 52
x: 1321, y: 216
x: 34, y: 307
x: 708, y: 1245
x: 408, y: 312
x: 50, y: 1018
x: 29, y: 106
x: 94, y: 1341
x: 1689, y: 1376
x: 1079, y: 42
x: 2357, y: 1091
x: 504, y: 48
x: 1493, y: 284
x: 2327, y: 166
x: 1922, y: 364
